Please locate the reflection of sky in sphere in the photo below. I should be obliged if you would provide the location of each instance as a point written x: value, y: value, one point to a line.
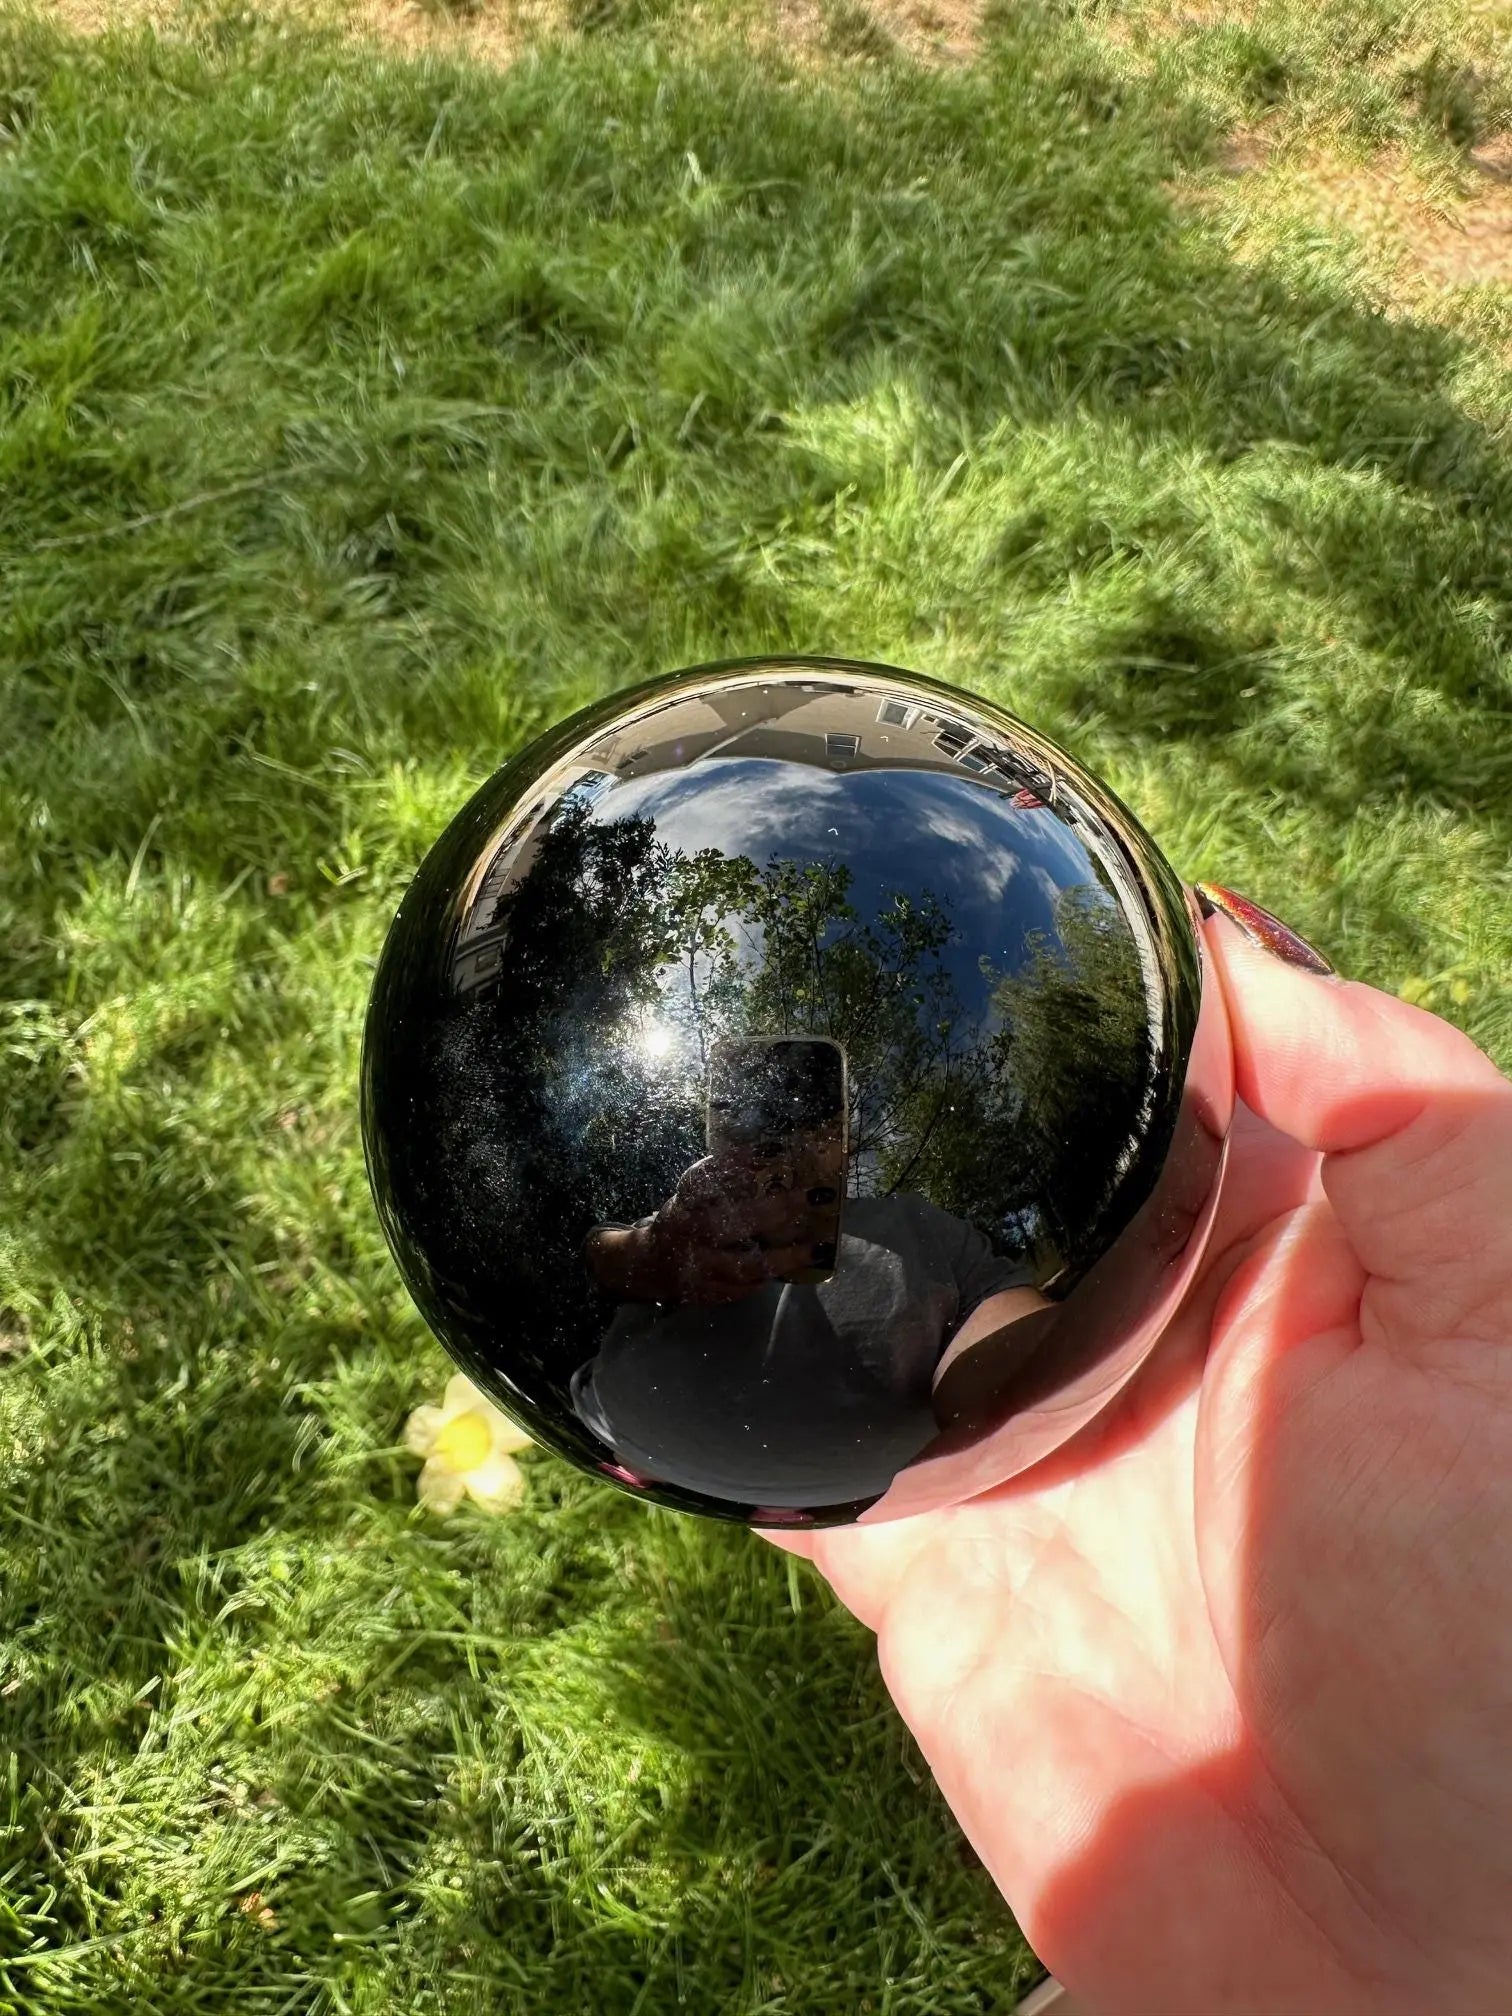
x: 995, y: 868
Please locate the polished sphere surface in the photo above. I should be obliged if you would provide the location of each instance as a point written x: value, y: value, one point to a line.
x: 790, y: 1089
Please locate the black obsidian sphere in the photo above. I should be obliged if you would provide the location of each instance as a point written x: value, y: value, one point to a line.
x: 791, y: 1090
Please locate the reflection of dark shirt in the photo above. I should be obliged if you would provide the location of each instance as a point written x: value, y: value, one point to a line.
x: 798, y: 1395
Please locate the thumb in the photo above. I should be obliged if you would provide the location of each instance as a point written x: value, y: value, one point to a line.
x: 1413, y: 1121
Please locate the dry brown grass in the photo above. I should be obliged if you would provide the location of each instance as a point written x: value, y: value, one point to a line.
x: 938, y: 29
x: 498, y: 31
x: 1138, y: 27
x: 495, y: 31
x: 1443, y: 240
x: 1421, y: 236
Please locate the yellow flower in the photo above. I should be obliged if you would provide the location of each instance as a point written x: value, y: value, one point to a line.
x: 468, y: 1448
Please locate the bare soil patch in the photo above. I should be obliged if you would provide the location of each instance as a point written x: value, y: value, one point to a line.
x: 499, y: 31
x: 1422, y: 235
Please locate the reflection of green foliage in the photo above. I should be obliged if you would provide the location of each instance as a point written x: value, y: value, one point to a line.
x: 878, y: 986
x: 589, y: 917
x: 1023, y: 1132
x: 610, y: 929
x: 1018, y: 1126
x: 1077, y: 997
x: 1075, y: 1048
x: 704, y: 892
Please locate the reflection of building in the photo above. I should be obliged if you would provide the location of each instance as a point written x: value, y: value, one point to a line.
x: 815, y: 722
x: 478, y: 946
x: 964, y: 748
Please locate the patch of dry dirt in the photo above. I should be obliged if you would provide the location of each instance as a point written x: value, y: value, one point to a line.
x: 1423, y: 238
x: 1244, y: 150
x: 1474, y: 245
x: 497, y: 31
x: 940, y: 29
x: 1141, y: 26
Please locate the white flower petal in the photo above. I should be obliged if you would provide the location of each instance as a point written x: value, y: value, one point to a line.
x: 421, y: 1430
x: 440, y: 1489
x: 507, y: 1435
x: 461, y: 1394
x: 496, y: 1484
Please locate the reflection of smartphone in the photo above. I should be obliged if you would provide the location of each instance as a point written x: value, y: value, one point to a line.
x: 783, y: 1100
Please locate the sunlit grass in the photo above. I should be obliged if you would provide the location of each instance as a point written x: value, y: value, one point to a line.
x: 357, y: 420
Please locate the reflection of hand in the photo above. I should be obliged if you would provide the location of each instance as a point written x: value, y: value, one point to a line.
x: 1221, y: 1691
x: 988, y: 1350
x: 719, y: 1236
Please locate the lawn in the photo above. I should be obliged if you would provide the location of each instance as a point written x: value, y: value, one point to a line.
x: 361, y: 414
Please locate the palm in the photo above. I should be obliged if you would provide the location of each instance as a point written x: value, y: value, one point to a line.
x: 1131, y: 1672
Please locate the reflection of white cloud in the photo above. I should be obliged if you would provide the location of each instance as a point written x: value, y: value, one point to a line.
x: 933, y: 830
x: 995, y: 868
x: 1045, y: 881
x: 988, y: 864
x: 951, y: 827
x: 744, y: 807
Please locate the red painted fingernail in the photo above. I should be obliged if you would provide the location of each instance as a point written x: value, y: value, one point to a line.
x: 1261, y: 927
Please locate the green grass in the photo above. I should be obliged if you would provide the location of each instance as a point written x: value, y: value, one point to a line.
x: 357, y: 420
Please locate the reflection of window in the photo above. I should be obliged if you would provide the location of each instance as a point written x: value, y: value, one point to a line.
x: 972, y: 760
x: 952, y: 741
x: 897, y: 714
x: 586, y: 790
x: 842, y: 746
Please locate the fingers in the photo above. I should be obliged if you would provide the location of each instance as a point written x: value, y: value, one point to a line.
x: 1335, y: 1064
x: 1268, y: 1175
x: 712, y: 1206
x: 718, y: 1184
x: 1414, y: 1123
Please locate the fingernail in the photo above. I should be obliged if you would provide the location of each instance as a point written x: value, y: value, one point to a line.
x: 1261, y: 927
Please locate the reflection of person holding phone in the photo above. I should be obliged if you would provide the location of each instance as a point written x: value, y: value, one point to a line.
x: 718, y: 1237
x: 762, y: 1346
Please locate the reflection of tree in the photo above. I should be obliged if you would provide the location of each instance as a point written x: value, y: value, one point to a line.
x: 782, y: 950
x: 550, y: 1118
x: 878, y: 985
x: 541, y: 1122
x: 1075, y: 1020
x: 1075, y: 1048
x: 703, y: 892
x: 1029, y: 1132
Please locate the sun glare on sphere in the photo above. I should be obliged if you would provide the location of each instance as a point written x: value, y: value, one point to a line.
x: 655, y: 1040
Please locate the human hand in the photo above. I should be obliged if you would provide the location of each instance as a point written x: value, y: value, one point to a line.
x: 1222, y: 1691
x: 722, y: 1233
